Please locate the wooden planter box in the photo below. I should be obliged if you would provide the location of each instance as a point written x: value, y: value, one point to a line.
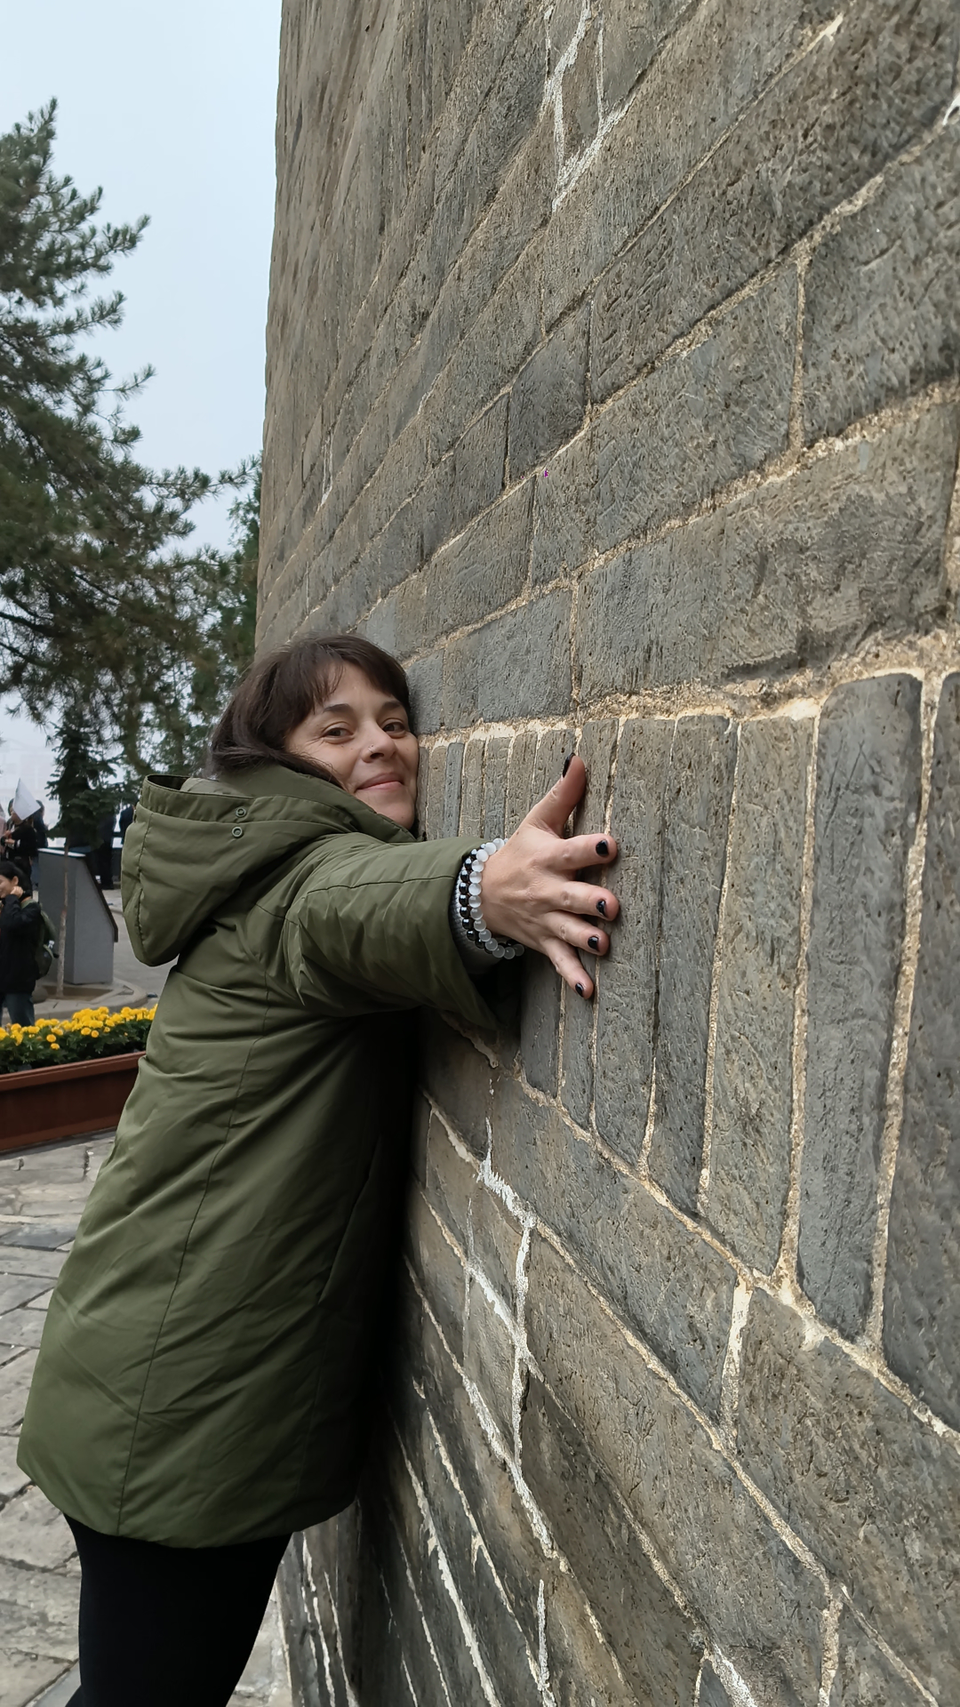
x: 55, y: 1102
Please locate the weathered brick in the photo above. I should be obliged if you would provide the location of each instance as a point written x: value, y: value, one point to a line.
x: 752, y: 1081
x: 868, y: 797
x: 449, y: 820
x: 712, y: 1692
x: 540, y: 984
x: 794, y: 154
x: 653, y: 1640
x: 697, y: 809
x: 549, y: 396
x: 864, y: 1675
x: 701, y: 420
x: 582, y: 1670
x: 515, y: 666
x: 496, y: 1244
x: 665, y: 1282
x: 471, y: 798
x: 460, y: 1080
x: 425, y: 677
x: 478, y: 465
x: 565, y: 511
x: 495, y: 786
x: 581, y: 96
x: 489, y: 1354
x: 449, y: 1181
x: 596, y: 748
x: 439, y: 1270
x: 921, y: 1329
x: 763, y: 1605
x: 627, y: 978
x: 880, y: 312
x: 562, y: 27
x: 484, y: 568
x: 632, y: 32
x: 873, y: 1493
x: 520, y: 796
x: 786, y: 576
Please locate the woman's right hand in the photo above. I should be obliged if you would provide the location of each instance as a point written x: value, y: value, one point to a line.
x: 530, y: 891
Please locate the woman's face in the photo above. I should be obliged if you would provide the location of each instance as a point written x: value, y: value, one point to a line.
x: 362, y: 736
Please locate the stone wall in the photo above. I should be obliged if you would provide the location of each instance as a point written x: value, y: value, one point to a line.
x: 613, y: 385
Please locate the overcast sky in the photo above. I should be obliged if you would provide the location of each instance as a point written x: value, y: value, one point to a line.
x: 171, y: 110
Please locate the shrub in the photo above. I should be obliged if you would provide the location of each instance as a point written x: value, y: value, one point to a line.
x: 87, y: 1035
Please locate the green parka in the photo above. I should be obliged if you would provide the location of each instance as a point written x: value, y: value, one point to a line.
x: 206, y: 1353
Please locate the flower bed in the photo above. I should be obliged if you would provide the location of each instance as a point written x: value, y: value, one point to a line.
x: 88, y: 1035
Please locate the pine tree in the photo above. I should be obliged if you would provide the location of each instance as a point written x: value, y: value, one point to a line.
x: 101, y: 605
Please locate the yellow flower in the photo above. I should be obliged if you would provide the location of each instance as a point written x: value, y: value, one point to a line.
x: 54, y: 1045
x: 95, y: 1033
x: 51, y: 1038
x: 85, y: 1032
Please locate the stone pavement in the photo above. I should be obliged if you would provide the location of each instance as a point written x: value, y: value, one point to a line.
x: 42, y: 1193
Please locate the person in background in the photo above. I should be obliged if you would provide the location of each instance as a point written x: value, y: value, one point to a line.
x: 20, y: 841
x: 125, y: 820
x: 43, y: 841
x: 103, y: 855
x: 20, y: 923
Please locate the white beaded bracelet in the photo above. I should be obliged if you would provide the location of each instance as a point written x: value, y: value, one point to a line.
x: 469, y: 909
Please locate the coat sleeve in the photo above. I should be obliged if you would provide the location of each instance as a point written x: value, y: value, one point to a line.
x: 19, y: 917
x: 372, y: 919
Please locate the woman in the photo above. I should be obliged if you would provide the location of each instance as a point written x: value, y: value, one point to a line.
x: 20, y: 924
x: 201, y: 1386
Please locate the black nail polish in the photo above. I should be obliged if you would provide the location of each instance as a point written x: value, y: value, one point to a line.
x: 603, y: 848
x: 566, y: 764
x: 579, y: 989
x: 593, y: 942
x: 602, y: 907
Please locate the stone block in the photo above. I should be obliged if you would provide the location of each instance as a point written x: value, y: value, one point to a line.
x: 653, y: 1640
x: 712, y: 1692
x: 514, y: 667
x: 471, y: 798
x: 633, y: 31
x: 490, y: 352
x: 523, y: 758
x: 540, y: 1022
x: 867, y: 800
x: 696, y: 817
x: 790, y: 575
x: 496, y: 1244
x: 596, y: 748
x: 483, y: 568
x: 449, y: 819
x: 563, y: 22
x: 460, y: 1080
x: 702, y: 419
x: 873, y: 1492
x: 762, y: 1605
x: 881, y: 319
x: 548, y: 398
x: 495, y: 787
x: 581, y: 93
x: 489, y: 1354
x: 582, y: 1669
x: 439, y: 1270
x: 627, y: 987
x: 425, y: 677
x: 478, y: 465
x: 921, y: 1329
x: 864, y: 1676
x: 667, y: 1284
x: 565, y: 511
x: 449, y: 1181
x: 752, y: 1079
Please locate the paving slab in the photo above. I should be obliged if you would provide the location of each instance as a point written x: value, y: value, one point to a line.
x: 21, y: 1675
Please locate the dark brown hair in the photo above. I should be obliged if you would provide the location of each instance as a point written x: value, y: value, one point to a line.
x: 282, y: 688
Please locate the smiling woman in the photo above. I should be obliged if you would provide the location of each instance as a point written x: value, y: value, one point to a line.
x: 204, y: 1373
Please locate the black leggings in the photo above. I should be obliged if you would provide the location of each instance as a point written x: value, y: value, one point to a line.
x: 168, y: 1626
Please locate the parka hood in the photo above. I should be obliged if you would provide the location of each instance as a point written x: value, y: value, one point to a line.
x: 193, y: 843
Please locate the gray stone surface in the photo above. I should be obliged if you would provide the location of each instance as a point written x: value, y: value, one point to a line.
x: 669, y: 1286
x: 868, y: 796
x: 873, y: 1492
x: 540, y: 985
x: 792, y: 574
x: 596, y: 747
x: 565, y: 511
x: 921, y: 1328
x: 460, y: 1080
x: 700, y: 420
x: 752, y: 1078
x: 633, y: 30
x: 864, y: 1675
x: 548, y: 399
x: 880, y: 306
x: 581, y: 94
x: 626, y: 997
x: 520, y: 659
x: 495, y: 788
x: 712, y: 1692
x: 762, y: 1604
x: 653, y: 1640
x: 697, y: 809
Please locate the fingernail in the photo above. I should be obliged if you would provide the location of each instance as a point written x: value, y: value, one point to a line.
x: 603, y: 848
x: 593, y: 942
x: 579, y: 989
x: 566, y: 764
x: 602, y: 908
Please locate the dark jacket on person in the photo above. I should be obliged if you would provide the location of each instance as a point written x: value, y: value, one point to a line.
x: 19, y: 934
x: 203, y: 1376
x: 22, y: 843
